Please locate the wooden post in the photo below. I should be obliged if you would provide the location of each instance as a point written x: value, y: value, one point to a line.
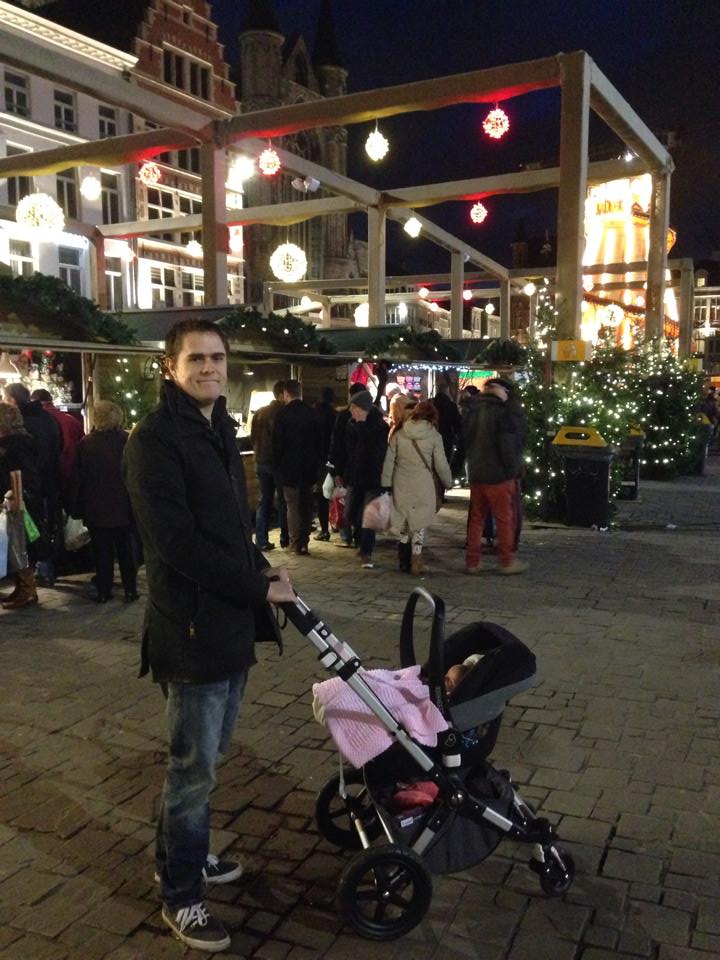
x: 376, y: 266
x: 214, y: 225
x: 657, y: 256
x: 574, y: 121
x: 268, y: 299
x: 686, y: 307
x: 504, y: 309
x: 532, y: 316
x: 457, y: 271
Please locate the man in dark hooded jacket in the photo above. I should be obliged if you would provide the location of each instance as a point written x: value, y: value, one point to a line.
x: 493, y: 444
x: 207, y: 587
x: 367, y: 440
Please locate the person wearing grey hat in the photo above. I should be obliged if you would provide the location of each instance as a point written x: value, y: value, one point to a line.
x: 362, y: 399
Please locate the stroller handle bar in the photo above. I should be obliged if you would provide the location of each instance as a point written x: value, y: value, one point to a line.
x: 336, y: 655
x: 436, y: 659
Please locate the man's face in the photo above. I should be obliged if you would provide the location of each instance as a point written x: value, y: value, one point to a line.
x: 497, y: 390
x: 200, y: 369
x: 357, y: 413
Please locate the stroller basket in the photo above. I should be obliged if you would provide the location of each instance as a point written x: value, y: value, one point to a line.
x: 463, y: 806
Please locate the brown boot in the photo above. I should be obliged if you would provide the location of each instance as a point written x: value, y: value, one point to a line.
x: 417, y: 564
x: 11, y: 596
x: 27, y: 593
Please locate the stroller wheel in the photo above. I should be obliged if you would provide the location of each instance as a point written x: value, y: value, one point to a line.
x: 558, y: 873
x: 332, y: 812
x: 385, y: 892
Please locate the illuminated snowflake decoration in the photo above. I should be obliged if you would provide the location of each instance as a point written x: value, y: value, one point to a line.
x: 376, y: 145
x: 478, y: 213
x: 288, y: 263
x: 40, y: 212
x: 269, y: 162
x: 149, y: 173
x: 496, y: 124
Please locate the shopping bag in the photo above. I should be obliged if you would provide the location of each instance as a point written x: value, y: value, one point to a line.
x: 3, y: 544
x: 76, y: 534
x: 17, y: 542
x: 336, y: 513
x: 328, y: 486
x: 377, y: 513
x: 31, y: 531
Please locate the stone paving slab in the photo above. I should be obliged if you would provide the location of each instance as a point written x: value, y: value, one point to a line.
x: 617, y: 744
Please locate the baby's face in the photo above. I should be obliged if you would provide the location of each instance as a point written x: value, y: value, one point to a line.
x: 454, y: 676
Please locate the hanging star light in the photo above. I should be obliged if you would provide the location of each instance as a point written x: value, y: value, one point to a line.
x: 149, y: 173
x: 288, y: 262
x: 478, y: 213
x: 40, y: 212
x: 496, y: 124
x: 90, y: 188
x: 376, y: 145
x: 269, y: 162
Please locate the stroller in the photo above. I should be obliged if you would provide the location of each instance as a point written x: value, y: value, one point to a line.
x: 467, y: 806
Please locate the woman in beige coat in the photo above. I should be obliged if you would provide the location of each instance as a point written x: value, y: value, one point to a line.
x: 414, y: 453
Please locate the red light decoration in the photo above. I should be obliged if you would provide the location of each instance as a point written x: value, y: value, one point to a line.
x: 478, y: 213
x: 496, y: 124
x: 269, y: 162
x: 149, y: 173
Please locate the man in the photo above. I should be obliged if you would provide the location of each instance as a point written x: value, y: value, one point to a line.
x: 449, y: 423
x: 296, y: 458
x: 48, y: 439
x: 206, y: 581
x: 367, y: 441
x: 71, y: 430
x: 261, y: 431
x: 493, y: 443
x: 337, y: 457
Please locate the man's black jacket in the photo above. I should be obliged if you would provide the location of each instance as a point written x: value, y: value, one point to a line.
x: 187, y: 488
x: 296, y: 445
x: 367, y: 442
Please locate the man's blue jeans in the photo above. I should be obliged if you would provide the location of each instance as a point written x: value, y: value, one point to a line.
x: 268, y: 485
x: 201, y: 719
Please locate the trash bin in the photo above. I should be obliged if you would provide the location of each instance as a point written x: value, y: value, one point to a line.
x: 586, y: 464
x: 630, y: 458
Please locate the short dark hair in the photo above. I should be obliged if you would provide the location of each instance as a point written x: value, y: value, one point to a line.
x: 355, y: 388
x: 293, y: 388
x: 18, y: 391
x: 177, y: 333
x: 44, y: 396
x: 278, y: 389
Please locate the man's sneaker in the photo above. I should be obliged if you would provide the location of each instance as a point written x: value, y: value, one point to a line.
x: 366, y: 562
x: 471, y: 571
x: 221, y: 871
x: 194, y: 926
x: 216, y: 871
x: 516, y: 566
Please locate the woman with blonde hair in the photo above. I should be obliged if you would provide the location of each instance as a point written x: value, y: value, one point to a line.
x: 415, y: 454
x: 103, y: 503
x: 401, y: 406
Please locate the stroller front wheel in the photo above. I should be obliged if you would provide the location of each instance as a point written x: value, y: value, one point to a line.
x: 557, y: 874
x: 333, y: 812
x: 385, y: 892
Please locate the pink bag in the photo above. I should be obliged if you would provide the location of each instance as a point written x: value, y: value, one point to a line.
x: 377, y: 513
x: 336, y: 513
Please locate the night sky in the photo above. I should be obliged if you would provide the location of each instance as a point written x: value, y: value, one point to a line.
x: 662, y: 55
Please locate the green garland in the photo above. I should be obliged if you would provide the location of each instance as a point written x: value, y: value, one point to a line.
x: 502, y: 353
x: 48, y: 303
x: 284, y: 332
x: 428, y: 345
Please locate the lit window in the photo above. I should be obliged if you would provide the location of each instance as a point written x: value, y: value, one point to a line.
x: 65, y: 116
x: 192, y: 289
x: 17, y: 95
x: 22, y: 263
x: 69, y: 271
x: 114, y: 283
x: 110, y: 192
x: 162, y: 283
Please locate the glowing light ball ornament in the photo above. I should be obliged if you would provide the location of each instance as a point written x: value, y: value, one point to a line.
x: 149, y: 173
x: 288, y: 262
x: 194, y: 248
x: 496, y: 124
x: 90, y: 188
x: 362, y: 315
x: 40, y: 212
x: 402, y: 310
x: 413, y: 227
x: 269, y: 162
x: 376, y: 145
x: 478, y: 213
x: 489, y: 308
x: 467, y: 295
x: 423, y: 292
x: 305, y: 302
x: 529, y: 289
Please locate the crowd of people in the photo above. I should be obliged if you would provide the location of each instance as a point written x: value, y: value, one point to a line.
x: 415, y: 453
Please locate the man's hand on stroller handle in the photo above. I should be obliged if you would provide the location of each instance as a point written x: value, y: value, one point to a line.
x: 281, y: 589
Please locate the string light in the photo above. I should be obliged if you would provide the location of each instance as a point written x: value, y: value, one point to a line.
x: 478, y: 213
x: 496, y: 124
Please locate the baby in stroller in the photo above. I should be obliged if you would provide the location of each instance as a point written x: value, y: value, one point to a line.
x: 432, y: 793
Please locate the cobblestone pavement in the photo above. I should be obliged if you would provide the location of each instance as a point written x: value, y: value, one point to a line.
x: 618, y: 744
